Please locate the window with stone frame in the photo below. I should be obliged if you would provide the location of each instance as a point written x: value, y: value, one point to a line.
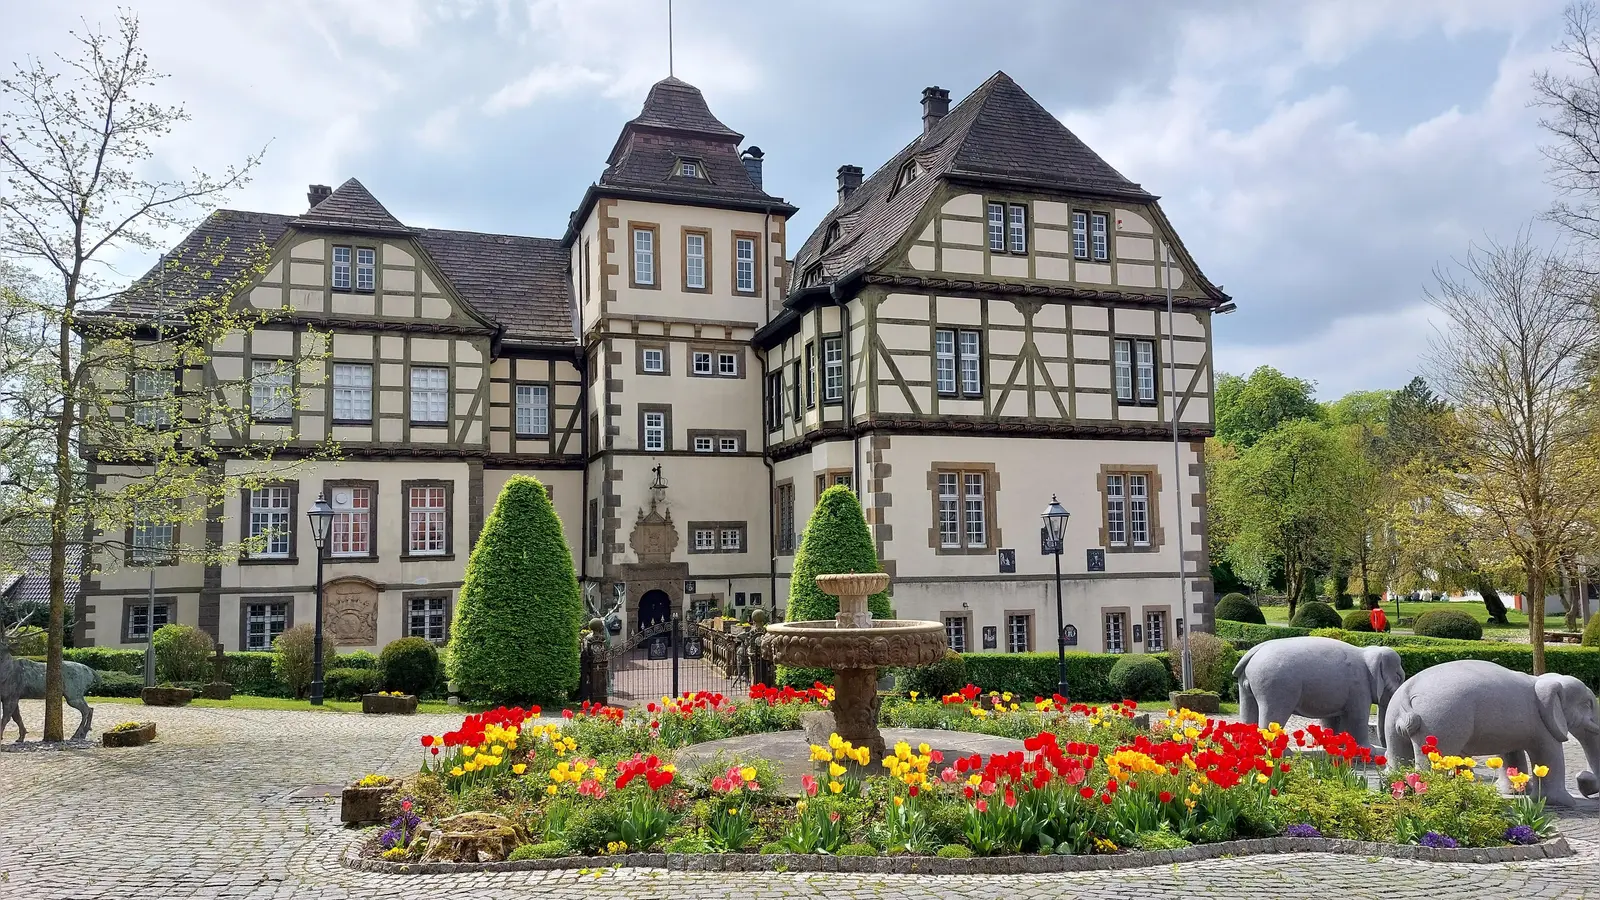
x: 785, y: 529
x: 727, y: 364
x: 1155, y: 630
x: 644, y: 256
x: 963, y: 507
x: 702, y: 362
x: 263, y: 623
x: 655, y: 430
x: 694, y: 260
x: 427, y: 520
x: 719, y: 537
x: 428, y: 618
x: 152, y: 536
x: 1129, y: 516
x: 268, y: 528
x: 955, y: 632
x: 136, y: 618
x: 1116, y: 625
x: 350, y: 533
x: 830, y: 477
x: 1019, y: 632
x: 745, y: 266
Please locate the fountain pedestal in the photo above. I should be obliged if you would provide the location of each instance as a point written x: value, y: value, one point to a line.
x: 855, y: 646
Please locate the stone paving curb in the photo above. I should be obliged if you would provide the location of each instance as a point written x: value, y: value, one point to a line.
x: 1555, y: 848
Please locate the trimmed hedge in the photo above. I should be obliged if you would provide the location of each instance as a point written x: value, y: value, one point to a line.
x: 117, y: 684
x: 350, y: 684
x: 1139, y: 677
x: 249, y: 671
x: 410, y: 664
x: 1244, y: 636
x: 1357, y: 620
x: 1448, y: 623
x: 1591, y: 632
x: 944, y: 677
x: 1034, y: 674
x: 1238, y: 608
x: 1315, y: 614
x: 515, y: 638
x: 107, y: 659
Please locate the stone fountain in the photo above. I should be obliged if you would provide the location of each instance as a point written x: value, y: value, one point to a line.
x: 855, y: 646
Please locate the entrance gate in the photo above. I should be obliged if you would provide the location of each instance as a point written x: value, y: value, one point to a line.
x: 673, y: 657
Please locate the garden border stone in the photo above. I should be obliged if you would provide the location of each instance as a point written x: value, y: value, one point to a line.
x: 1555, y: 848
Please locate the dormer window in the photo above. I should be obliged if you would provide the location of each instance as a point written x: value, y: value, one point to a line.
x: 908, y: 174
x: 813, y: 276
x: 830, y: 236
x: 690, y: 168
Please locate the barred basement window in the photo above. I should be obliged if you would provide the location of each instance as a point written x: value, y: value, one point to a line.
x: 1115, y: 626
x: 1155, y: 632
x: 1019, y: 633
x: 425, y: 618
x: 955, y: 633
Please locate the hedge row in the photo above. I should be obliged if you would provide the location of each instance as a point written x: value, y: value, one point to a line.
x: 250, y: 672
x: 1243, y: 635
x: 1030, y: 675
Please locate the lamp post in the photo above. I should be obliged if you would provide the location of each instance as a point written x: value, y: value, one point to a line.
x: 1055, y: 526
x: 321, y: 516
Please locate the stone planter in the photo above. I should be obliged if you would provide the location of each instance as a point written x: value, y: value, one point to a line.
x: 360, y: 805
x: 217, y: 690
x: 138, y: 737
x: 166, y: 696
x: 1207, y: 703
x: 384, y: 704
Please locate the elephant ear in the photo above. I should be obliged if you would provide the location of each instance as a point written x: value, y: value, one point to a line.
x: 1547, y: 689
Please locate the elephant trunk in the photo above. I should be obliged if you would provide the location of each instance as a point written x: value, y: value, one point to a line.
x: 1383, y: 718
x: 1589, y: 781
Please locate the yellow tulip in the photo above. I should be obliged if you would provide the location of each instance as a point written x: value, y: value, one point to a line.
x: 468, y: 750
x: 748, y: 773
x: 456, y: 772
x: 835, y: 770
x: 519, y: 768
x: 1541, y: 771
x: 1194, y: 789
x: 913, y: 696
x: 899, y: 801
x: 835, y: 786
x: 551, y: 790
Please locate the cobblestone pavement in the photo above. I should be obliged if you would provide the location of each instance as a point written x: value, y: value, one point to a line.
x: 205, y: 812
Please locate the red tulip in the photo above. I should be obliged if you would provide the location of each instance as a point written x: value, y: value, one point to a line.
x: 1086, y: 792
x: 1166, y: 797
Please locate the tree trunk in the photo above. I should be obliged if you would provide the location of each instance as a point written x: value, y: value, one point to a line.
x: 1536, y: 618
x: 1491, y: 600
x: 54, y: 729
x: 1569, y: 597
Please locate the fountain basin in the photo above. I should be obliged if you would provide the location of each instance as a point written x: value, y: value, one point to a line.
x: 880, y: 643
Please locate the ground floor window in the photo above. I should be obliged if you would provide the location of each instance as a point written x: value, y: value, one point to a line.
x: 263, y: 622
x: 138, y: 626
x: 1116, y: 626
x: 425, y: 618
x: 1155, y: 632
x: 955, y: 633
x: 1019, y: 633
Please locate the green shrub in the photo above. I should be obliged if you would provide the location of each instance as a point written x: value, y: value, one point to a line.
x: 107, y: 659
x: 183, y: 653
x: 545, y: 850
x: 857, y: 849
x: 1591, y: 632
x: 1344, y: 601
x: 1357, y: 620
x: 1448, y: 623
x: 116, y: 684
x: 954, y: 851
x: 836, y: 541
x: 1160, y: 839
x: 1315, y: 614
x: 1213, y: 660
x: 1140, y: 678
x: 515, y: 637
x: 1030, y: 675
x: 360, y: 659
x: 293, y: 655
x: 1238, y: 608
x: 410, y: 664
x: 30, y: 640
x: 1243, y: 636
x: 251, y: 672
x: 946, y: 676
x: 773, y: 849
x: 592, y: 824
x: 349, y: 684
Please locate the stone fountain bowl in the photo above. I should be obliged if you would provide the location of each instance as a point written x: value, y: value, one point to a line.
x: 887, y: 642
x: 853, y: 584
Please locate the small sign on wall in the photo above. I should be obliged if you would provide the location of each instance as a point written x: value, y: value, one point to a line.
x: 1008, y: 562
x: 1069, y: 635
x: 1138, y: 634
x: 688, y: 587
x: 991, y: 637
x: 1097, y: 559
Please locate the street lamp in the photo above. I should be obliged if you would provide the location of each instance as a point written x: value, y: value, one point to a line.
x: 321, y: 516
x: 1055, y: 526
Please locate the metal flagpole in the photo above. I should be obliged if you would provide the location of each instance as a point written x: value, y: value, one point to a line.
x: 670, y: 72
x: 1177, y: 473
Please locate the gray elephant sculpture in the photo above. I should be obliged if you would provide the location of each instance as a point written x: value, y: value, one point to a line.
x: 1319, y: 678
x: 1475, y: 708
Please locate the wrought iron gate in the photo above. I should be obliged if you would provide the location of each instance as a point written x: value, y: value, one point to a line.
x: 676, y: 657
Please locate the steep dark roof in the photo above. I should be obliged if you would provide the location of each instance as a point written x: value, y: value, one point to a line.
x: 519, y: 282
x: 218, y: 251
x: 25, y: 565
x: 351, y: 206
x: 679, y: 106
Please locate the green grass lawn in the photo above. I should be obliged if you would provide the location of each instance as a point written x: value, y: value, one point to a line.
x: 241, y: 701
x: 1279, y: 615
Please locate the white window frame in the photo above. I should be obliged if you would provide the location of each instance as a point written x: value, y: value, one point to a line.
x: 958, y: 358
x: 1139, y: 509
x: 1019, y: 640
x: 732, y: 540
x: 366, y: 270
x: 944, y: 353
x: 705, y: 539
x: 1099, y: 240
x: 352, y: 392
x: 1080, y: 235
x: 955, y: 633
x: 688, y: 168
x: 1017, y: 228
x: 644, y: 256
x: 727, y: 445
x: 997, y: 227
x: 655, y: 431
x: 1122, y: 368
x: 271, y: 390
x: 1155, y: 631
x: 702, y: 362
x: 350, y: 533
x: 974, y: 511
x: 427, y: 520
x: 271, y: 508
x: 267, y: 615
x: 969, y: 354
x: 140, y: 613
x: 1116, y: 632
x: 341, y: 267
x: 152, y: 541
x: 1144, y: 362
x: 833, y: 369
x: 655, y: 360
x: 428, y: 618
x: 744, y: 265
x: 1116, y: 510
x: 430, y: 395
x: 727, y: 365
x: 152, y: 389
x: 533, y: 410
x: 694, y: 258
x: 948, y: 484
x: 704, y: 444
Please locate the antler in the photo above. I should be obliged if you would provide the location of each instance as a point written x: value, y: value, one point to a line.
x: 14, y: 630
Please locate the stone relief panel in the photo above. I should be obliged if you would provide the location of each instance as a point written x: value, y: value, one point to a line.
x: 350, y: 612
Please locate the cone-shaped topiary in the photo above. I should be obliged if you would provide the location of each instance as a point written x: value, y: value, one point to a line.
x: 1591, y: 632
x: 515, y: 636
x: 836, y: 541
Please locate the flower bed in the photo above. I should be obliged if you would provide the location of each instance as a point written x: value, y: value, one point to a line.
x: 129, y: 734
x: 1088, y: 783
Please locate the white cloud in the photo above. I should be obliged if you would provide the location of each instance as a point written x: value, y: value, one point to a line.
x: 544, y: 81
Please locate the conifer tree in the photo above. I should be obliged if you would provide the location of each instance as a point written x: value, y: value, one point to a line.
x: 836, y: 541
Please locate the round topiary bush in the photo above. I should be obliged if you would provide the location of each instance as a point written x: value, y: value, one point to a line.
x: 1238, y: 608
x: 349, y: 684
x: 1357, y: 620
x: 946, y: 676
x: 1344, y: 601
x: 1213, y: 658
x: 836, y: 541
x: 410, y: 664
x: 1315, y: 614
x: 1448, y: 623
x: 1591, y: 632
x: 1139, y: 678
x: 515, y: 636
x: 183, y: 653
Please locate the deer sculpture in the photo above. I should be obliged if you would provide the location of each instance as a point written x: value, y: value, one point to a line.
x: 23, y: 679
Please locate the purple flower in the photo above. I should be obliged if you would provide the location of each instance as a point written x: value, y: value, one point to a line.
x: 1302, y: 831
x: 1438, y: 841
x: 399, y: 832
x: 1521, y: 834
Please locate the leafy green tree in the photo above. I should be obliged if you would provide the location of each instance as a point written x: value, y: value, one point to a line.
x: 836, y: 541
x: 1367, y: 409
x: 1249, y: 408
x: 515, y: 636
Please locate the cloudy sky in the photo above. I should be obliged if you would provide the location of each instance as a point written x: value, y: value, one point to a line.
x: 1319, y: 158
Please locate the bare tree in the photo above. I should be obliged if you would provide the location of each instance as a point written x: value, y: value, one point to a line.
x: 1508, y: 360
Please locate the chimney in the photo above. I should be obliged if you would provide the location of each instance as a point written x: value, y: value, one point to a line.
x: 318, y: 193
x: 849, y: 180
x: 935, y: 103
x: 751, y: 158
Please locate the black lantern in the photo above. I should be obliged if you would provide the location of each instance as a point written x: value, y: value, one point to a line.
x: 1055, y: 528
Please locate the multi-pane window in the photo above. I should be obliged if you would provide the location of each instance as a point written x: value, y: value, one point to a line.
x: 1116, y: 511
x: 833, y: 369
x: 703, y: 444
x: 957, y: 362
x: 997, y: 227
x: 727, y: 445
x: 962, y: 510
x: 1019, y: 633
x: 702, y: 362
x: 594, y: 528
x: 1127, y: 509
x: 949, y: 509
x: 270, y: 511
x: 1144, y: 369
x: 152, y: 538
x: 430, y: 392
x: 794, y: 378
x: 352, y: 392
x: 728, y: 364
x: 644, y: 256
x: 341, y: 268
x: 955, y: 633
x: 655, y: 360
x: 1097, y: 236
x: 271, y: 389
x: 533, y: 409
x: 1080, y: 235
x: 152, y: 391
x: 1116, y: 623
x: 139, y: 620
x: 263, y: 622
x: 976, y: 523
x: 351, y: 530
x: 426, y: 516
x: 1122, y: 367
x: 732, y: 538
x: 826, y: 480
x: 705, y: 539
x: 694, y: 259
x: 775, y: 401
x: 1155, y: 632
x: 1139, y: 510
x: 689, y: 169
x: 425, y: 618
x: 785, y: 527
x: 744, y: 265
x: 1017, y: 227
x: 655, y: 431
x: 366, y: 269
x: 811, y: 375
